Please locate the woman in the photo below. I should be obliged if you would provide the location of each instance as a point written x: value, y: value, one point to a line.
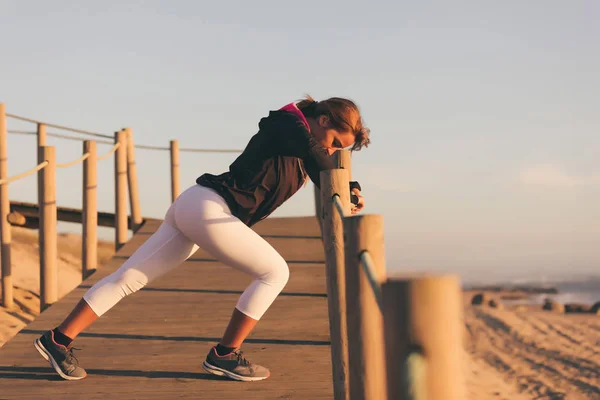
x: 216, y: 214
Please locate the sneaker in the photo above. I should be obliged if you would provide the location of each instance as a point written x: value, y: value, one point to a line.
x: 234, y: 366
x: 60, y: 357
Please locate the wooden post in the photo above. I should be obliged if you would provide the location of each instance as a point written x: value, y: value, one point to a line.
x: 47, y: 234
x: 423, y: 336
x: 134, y: 195
x: 174, y: 144
x: 18, y: 219
x: 341, y: 159
x: 318, y: 205
x: 336, y: 182
x: 41, y: 135
x: 5, y: 233
x: 365, y: 322
x: 121, y: 190
x: 89, y: 243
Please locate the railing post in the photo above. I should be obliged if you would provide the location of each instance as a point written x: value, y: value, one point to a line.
x: 336, y: 182
x: 365, y: 321
x: 5, y: 229
x: 120, y: 190
x: 134, y: 195
x: 423, y: 337
x: 341, y: 159
x: 318, y: 208
x: 47, y: 234
x: 89, y: 251
x: 41, y: 136
x: 174, y: 145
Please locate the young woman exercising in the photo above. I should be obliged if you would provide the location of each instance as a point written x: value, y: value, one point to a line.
x: 292, y: 144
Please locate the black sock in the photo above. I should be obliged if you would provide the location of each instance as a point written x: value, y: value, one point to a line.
x: 223, y: 351
x: 61, y: 338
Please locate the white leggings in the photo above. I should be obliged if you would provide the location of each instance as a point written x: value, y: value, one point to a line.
x: 198, y: 217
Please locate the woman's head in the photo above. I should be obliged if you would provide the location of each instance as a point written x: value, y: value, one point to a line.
x: 335, y: 123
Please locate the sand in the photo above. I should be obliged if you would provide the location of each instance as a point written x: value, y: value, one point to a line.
x: 26, y: 276
x: 514, y: 353
x: 544, y: 355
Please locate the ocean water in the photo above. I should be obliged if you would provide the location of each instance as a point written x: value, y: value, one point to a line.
x: 584, y: 291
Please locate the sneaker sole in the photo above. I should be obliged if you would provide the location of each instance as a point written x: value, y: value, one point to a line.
x: 48, y: 357
x: 223, y: 372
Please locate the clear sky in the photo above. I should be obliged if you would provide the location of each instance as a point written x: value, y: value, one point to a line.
x: 484, y: 115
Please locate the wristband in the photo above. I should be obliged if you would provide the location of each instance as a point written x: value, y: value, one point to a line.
x: 355, y: 185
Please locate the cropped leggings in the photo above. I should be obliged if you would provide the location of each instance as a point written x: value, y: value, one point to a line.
x: 199, y: 217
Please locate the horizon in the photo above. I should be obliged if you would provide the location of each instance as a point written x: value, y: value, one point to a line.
x: 484, y: 119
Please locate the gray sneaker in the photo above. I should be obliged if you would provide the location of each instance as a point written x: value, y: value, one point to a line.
x: 234, y: 366
x: 60, y: 357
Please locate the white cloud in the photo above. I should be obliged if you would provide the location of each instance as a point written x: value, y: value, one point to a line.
x: 551, y: 175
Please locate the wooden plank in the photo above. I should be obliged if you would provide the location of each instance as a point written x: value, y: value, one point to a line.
x: 298, y: 227
x: 65, y: 214
x: 151, y: 345
x: 295, y: 249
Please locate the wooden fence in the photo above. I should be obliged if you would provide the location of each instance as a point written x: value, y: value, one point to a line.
x: 395, y: 338
x: 125, y: 181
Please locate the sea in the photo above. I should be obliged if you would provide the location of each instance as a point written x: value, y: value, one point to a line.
x: 583, y: 290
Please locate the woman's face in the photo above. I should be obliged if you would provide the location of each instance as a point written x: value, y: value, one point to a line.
x: 331, y: 139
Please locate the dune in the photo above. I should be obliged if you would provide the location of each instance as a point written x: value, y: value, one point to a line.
x: 514, y: 352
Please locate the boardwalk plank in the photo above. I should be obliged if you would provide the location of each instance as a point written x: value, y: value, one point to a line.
x: 151, y: 345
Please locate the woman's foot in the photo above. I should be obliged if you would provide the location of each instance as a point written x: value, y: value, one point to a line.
x: 61, y: 358
x: 234, y: 366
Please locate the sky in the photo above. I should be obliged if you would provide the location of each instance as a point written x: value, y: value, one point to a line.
x: 483, y: 115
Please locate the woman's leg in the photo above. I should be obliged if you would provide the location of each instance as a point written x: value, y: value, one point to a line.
x: 164, y: 250
x: 230, y: 241
x: 225, y: 237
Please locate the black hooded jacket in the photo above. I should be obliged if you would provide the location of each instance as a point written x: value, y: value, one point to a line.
x: 273, y: 166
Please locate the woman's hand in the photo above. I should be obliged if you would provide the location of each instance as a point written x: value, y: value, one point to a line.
x: 361, y: 202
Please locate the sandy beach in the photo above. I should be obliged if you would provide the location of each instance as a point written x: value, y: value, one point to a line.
x: 26, y: 275
x: 518, y: 352
x: 539, y: 354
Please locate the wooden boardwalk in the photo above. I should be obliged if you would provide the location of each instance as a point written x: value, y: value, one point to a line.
x: 152, y: 344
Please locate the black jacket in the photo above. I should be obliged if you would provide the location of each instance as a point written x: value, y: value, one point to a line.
x: 273, y: 166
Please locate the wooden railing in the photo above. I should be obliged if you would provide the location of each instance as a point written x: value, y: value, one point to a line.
x: 393, y: 337
x: 125, y: 181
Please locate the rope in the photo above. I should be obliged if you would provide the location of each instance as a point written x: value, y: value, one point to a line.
x: 367, y: 264
x: 104, y: 157
x: 66, y: 128
x: 80, y: 159
x: 146, y: 147
x: 67, y: 137
x: 338, y: 204
x: 188, y: 150
x: 139, y: 146
x: 21, y: 132
x: 24, y: 174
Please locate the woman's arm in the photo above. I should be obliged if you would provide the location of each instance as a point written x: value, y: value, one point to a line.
x: 292, y: 138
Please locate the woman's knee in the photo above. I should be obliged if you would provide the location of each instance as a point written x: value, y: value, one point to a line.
x: 130, y: 281
x: 279, y: 274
